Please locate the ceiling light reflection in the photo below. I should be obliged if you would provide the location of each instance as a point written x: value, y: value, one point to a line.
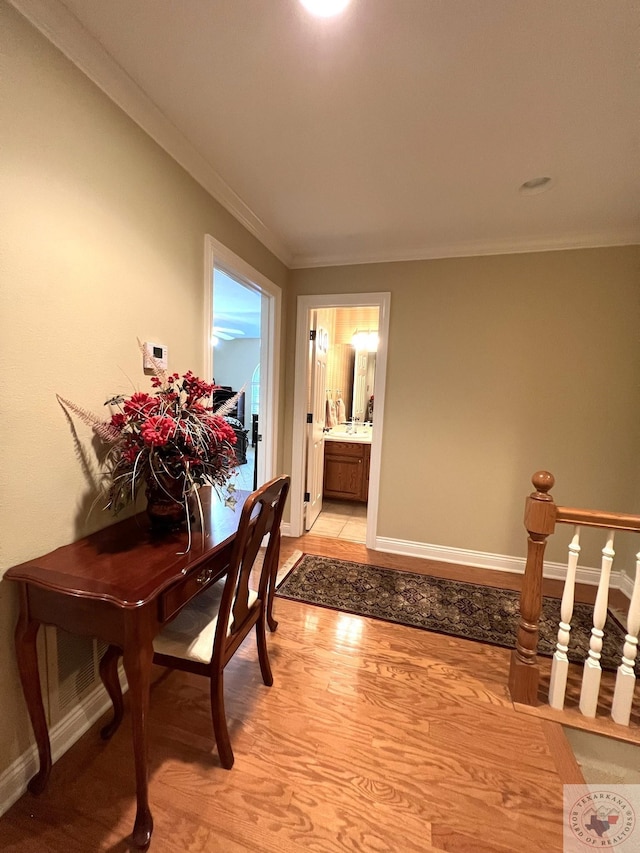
x: 311, y: 623
x: 349, y: 630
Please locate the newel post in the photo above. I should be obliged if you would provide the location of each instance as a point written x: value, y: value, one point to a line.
x: 539, y: 520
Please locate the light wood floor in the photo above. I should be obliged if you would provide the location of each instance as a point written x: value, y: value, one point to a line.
x: 374, y: 737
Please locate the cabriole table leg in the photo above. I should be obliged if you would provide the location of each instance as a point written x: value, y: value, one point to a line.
x: 137, y: 659
x: 27, y: 658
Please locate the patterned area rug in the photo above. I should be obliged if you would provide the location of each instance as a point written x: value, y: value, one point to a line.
x: 466, y: 610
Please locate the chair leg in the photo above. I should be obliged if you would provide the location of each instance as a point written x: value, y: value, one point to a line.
x: 263, y: 655
x: 220, y: 721
x: 271, y: 589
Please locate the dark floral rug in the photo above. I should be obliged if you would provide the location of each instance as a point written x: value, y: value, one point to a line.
x: 466, y: 610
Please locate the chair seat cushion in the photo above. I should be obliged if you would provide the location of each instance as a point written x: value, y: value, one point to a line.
x: 190, y: 635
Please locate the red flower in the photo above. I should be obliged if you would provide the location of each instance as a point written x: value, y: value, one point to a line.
x: 140, y: 404
x: 195, y: 388
x: 118, y: 421
x: 129, y: 454
x: 220, y: 429
x: 156, y: 431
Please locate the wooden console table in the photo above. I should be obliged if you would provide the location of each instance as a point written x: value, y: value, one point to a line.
x: 120, y: 585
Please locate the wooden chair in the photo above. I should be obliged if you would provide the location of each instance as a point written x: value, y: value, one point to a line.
x: 208, y: 631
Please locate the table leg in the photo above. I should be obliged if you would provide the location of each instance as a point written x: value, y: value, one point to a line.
x: 109, y: 676
x: 137, y: 659
x: 27, y: 658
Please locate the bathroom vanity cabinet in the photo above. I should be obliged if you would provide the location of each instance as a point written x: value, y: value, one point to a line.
x: 346, y: 470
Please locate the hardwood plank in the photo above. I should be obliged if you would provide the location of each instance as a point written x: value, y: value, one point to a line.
x: 574, y: 719
x: 562, y: 754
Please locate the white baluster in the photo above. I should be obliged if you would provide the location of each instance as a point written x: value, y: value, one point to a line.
x: 592, y: 670
x: 560, y: 664
x: 626, y: 677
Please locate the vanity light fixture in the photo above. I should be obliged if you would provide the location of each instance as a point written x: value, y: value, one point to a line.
x: 365, y: 340
x: 325, y: 8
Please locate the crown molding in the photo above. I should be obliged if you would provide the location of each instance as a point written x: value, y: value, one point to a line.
x: 65, y: 31
x: 597, y: 240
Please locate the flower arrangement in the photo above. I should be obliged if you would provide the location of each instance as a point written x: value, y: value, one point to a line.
x: 170, y: 440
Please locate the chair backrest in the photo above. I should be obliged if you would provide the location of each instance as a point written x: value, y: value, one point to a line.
x: 261, y: 516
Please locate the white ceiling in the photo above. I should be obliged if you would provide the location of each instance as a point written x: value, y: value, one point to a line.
x: 400, y: 130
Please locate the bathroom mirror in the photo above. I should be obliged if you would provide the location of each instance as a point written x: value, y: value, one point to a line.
x: 364, y: 371
x: 351, y: 359
x: 351, y: 375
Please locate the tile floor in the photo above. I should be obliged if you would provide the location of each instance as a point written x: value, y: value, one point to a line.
x: 244, y: 480
x: 342, y: 520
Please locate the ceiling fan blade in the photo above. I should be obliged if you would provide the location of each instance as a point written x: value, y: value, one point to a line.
x: 228, y: 330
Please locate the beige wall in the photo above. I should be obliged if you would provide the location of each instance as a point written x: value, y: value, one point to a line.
x: 499, y: 366
x: 103, y: 242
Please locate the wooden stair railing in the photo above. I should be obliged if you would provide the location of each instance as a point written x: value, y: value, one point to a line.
x: 540, y: 519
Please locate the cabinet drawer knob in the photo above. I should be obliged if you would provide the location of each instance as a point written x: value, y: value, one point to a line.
x: 204, y: 576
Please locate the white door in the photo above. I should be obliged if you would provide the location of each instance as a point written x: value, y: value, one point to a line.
x: 360, y: 385
x: 318, y: 345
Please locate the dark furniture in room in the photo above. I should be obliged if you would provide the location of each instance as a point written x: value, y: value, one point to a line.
x: 241, y: 439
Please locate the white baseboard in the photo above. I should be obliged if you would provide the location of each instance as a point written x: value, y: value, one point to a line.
x: 14, y: 780
x: 497, y: 562
x: 285, y: 528
x: 626, y: 584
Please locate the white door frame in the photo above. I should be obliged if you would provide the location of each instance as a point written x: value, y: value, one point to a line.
x: 217, y: 255
x: 305, y: 305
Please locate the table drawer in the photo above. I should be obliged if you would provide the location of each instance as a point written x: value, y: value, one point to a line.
x: 173, y: 599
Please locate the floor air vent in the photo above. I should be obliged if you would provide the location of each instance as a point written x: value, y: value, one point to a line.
x: 72, y: 669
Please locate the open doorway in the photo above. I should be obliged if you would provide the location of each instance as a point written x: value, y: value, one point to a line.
x: 343, y: 344
x: 242, y: 322
x: 333, y: 452
x: 236, y: 342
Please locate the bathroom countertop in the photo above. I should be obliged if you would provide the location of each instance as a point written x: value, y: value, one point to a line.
x: 363, y: 436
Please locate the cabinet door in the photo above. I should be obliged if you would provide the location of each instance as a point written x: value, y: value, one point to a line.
x: 343, y: 477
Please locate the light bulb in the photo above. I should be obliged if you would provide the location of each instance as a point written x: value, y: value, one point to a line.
x: 325, y: 8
